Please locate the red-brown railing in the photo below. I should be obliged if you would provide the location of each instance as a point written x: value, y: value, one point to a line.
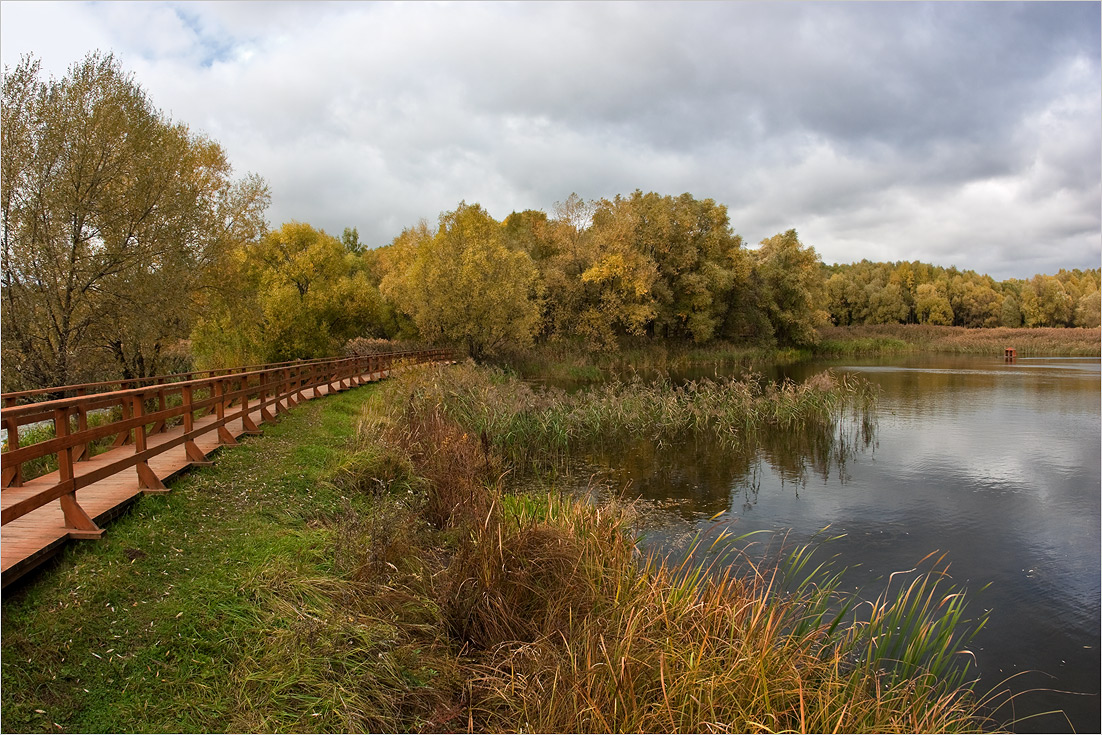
x: 138, y: 412
x: 15, y: 398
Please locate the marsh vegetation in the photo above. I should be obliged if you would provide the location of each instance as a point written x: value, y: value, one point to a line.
x: 370, y: 564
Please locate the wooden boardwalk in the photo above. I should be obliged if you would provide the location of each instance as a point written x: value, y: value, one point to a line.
x: 31, y: 539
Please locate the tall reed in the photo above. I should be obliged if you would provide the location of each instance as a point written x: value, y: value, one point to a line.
x: 532, y: 424
x: 562, y: 624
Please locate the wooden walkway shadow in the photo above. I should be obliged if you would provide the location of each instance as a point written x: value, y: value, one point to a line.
x: 31, y: 539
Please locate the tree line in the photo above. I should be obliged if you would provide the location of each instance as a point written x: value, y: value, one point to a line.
x: 919, y: 293
x: 129, y: 250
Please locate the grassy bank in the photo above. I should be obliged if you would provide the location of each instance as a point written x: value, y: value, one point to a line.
x: 365, y: 566
x: 165, y: 624
x: 901, y: 338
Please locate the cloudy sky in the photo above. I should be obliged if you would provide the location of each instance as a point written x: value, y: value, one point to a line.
x: 962, y: 134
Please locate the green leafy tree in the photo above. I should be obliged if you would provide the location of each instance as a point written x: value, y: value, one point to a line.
x: 698, y: 258
x: 847, y: 302
x: 303, y: 295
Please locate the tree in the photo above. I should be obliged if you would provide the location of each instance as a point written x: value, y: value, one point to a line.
x: 350, y: 238
x: 1088, y: 312
x: 304, y: 295
x: 886, y: 304
x: 1045, y: 303
x: 790, y: 286
x: 618, y: 280
x: 846, y: 301
x: 111, y: 217
x: 698, y: 258
x: 465, y: 285
x: 931, y: 306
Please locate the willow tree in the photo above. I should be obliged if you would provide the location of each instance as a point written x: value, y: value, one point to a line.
x: 789, y: 288
x: 466, y: 286
x: 299, y: 293
x: 111, y: 216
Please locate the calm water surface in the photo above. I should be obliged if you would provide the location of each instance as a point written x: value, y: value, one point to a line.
x: 995, y: 463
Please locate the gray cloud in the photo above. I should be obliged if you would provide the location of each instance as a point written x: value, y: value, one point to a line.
x: 962, y: 134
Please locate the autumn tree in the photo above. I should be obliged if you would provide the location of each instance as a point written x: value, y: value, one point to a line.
x: 789, y: 284
x: 303, y: 295
x: 464, y: 285
x: 111, y: 217
x: 932, y: 305
x: 698, y: 258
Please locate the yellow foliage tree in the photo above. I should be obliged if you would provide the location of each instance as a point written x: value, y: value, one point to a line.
x: 465, y: 286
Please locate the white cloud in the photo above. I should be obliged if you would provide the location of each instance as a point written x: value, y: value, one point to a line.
x: 957, y: 134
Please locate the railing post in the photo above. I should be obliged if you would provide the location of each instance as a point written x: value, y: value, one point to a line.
x: 13, y: 473
x: 300, y: 384
x: 80, y: 450
x: 194, y: 453
x: 147, y: 478
x: 277, y: 392
x: 160, y: 426
x: 265, y: 414
x: 247, y: 422
x: 289, y: 387
x: 357, y: 377
x: 77, y: 522
x: 218, y: 391
x: 315, y: 379
x: 123, y: 437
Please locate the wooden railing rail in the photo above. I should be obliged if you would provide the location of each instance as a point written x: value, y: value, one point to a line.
x: 15, y: 398
x: 139, y: 413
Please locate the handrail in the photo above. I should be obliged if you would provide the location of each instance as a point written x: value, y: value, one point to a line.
x: 11, y: 398
x: 148, y: 410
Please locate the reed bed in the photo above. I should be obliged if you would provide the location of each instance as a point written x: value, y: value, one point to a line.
x: 571, y: 361
x: 530, y: 425
x: 895, y: 338
x: 563, y: 625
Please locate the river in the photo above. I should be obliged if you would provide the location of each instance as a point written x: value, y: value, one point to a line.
x: 995, y: 463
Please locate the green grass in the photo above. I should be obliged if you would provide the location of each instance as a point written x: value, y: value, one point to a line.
x: 154, y: 627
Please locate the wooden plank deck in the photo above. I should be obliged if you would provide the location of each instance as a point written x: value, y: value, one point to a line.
x: 30, y: 540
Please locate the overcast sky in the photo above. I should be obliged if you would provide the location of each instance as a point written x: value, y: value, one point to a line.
x: 962, y: 134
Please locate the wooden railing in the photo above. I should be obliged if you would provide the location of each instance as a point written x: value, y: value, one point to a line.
x: 16, y: 398
x: 136, y: 413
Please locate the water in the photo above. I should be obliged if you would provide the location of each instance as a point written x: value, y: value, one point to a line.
x: 997, y: 464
